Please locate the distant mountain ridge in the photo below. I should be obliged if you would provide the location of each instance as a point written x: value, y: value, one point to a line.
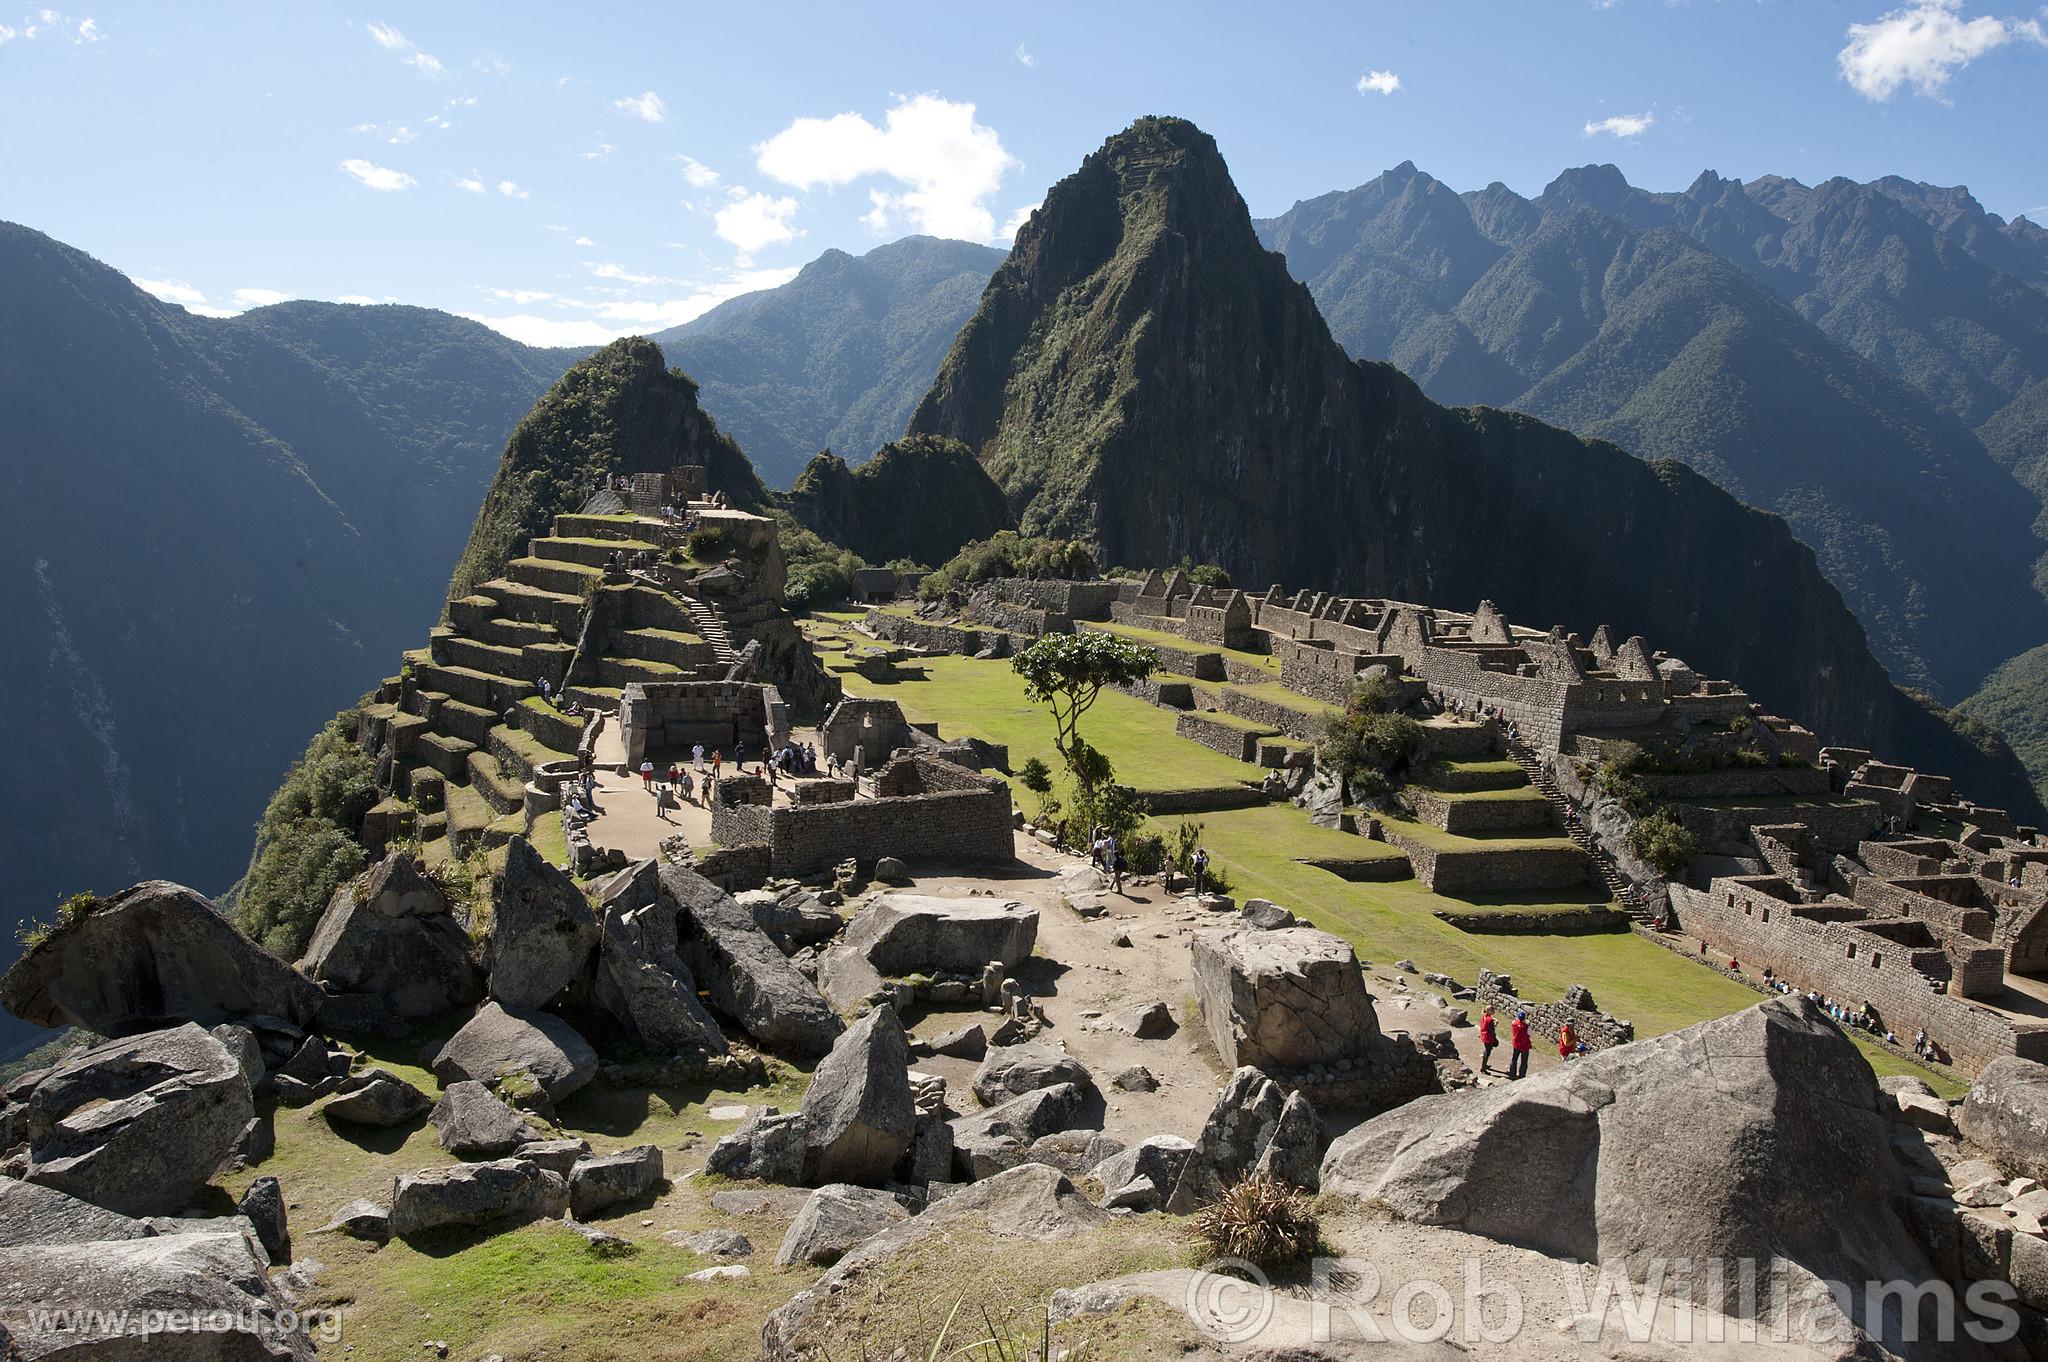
x: 1762, y: 334
x: 212, y: 532
x: 837, y: 357
x: 1144, y: 374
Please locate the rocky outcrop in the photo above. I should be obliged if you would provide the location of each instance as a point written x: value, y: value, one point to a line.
x: 99, y: 1288
x: 643, y: 984
x: 792, y: 916
x: 2005, y: 1114
x: 34, y: 1214
x: 473, y: 1195
x: 858, y: 1114
x: 153, y: 954
x: 390, y: 933
x: 601, y: 1181
x: 263, y: 1207
x: 988, y: 1142
x: 769, y: 1146
x: 1750, y: 1136
x: 138, y: 1125
x: 1032, y: 1203
x: 1284, y: 999
x: 743, y: 973
x: 833, y: 1220
x: 496, y: 1042
x: 897, y: 935
x: 472, y: 1123
x: 541, y: 930
x: 1143, y: 1176
x: 1015, y: 1070
x: 866, y: 508
x: 1253, y: 1126
x: 375, y: 1098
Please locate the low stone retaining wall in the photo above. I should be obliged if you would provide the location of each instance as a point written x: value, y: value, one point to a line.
x: 1738, y: 781
x: 1598, y: 1030
x: 1466, y: 817
x: 1235, y: 741
x: 1834, y: 827
x: 1165, y: 694
x: 936, y: 638
x: 949, y: 824
x: 1558, y: 922
x: 1293, y: 722
x: 734, y: 869
x: 1484, y: 872
x: 1365, y: 870
x: 1213, y: 799
x: 1389, y: 1074
x: 1247, y: 673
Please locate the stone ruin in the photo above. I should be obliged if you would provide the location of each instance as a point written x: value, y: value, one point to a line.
x: 1594, y: 1028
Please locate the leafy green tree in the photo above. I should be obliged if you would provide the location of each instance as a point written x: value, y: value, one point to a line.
x: 1209, y: 575
x: 1664, y: 842
x: 1066, y: 673
x: 1009, y: 554
x: 1035, y: 776
x: 306, y: 843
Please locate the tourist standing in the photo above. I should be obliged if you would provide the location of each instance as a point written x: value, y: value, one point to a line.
x: 1198, y: 866
x: 647, y: 776
x: 689, y: 788
x: 717, y: 760
x: 1113, y: 862
x: 675, y: 775
x: 1489, y: 1041
x: 663, y: 802
x: 697, y: 755
x: 1567, y: 1042
x: 1519, y: 1046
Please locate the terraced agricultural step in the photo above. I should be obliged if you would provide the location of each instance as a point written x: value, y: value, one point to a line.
x: 602, y: 527
x: 471, y: 611
x: 513, y: 633
x: 624, y: 671
x: 468, y: 815
x: 604, y: 698
x: 472, y: 687
x: 663, y: 645
x: 501, y: 791
x: 423, y: 703
x: 518, y: 601
x: 1483, y: 811
x: 449, y: 756
x: 427, y: 788
x: 460, y: 651
x: 467, y: 722
x: 402, y: 733
x: 588, y: 552
x: 647, y: 608
x: 550, y: 726
x: 521, y: 753
x: 1460, y: 776
x: 568, y: 579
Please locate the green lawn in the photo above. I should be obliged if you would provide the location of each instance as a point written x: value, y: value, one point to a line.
x: 1164, y: 639
x: 1276, y: 694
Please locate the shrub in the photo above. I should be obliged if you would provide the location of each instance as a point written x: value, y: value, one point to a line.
x: 1009, y: 554
x: 1261, y: 1220
x: 1358, y: 742
x: 1619, y: 777
x: 1664, y: 842
x: 71, y: 910
x: 1035, y: 776
x: 709, y: 543
x: 306, y: 845
x: 1209, y: 575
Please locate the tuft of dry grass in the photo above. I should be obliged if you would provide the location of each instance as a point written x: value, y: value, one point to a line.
x: 1261, y: 1220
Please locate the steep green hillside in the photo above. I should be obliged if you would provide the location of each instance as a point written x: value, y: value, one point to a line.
x: 918, y: 498
x: 837, y: 357
x: 1144, y: 374
x: 2015, y: 702
x: 213, y: 533
x: 621, y: 410
x: 1644, y: 335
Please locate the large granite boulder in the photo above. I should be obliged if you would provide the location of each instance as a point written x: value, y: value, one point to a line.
x: 834, y: 1219
x: 497, y: 1041
x: 744, y: 973
x: 792, y: 916
x: 1282, y: 1000
x: 472, y: 1123
x: 599, y: 1182
x: 2006, y: 1115
x: 1241, y: 1129
x: 1142, y: 1177
x: 33, y: 1214
x: 541, y: 930
x: 1031, y: 1203
x: 643, y: 984
x: 988, y: 1142
x: 1015, y: 1070
x: 139, y: 1125
x: 375, y: 1098
x: 472, y: 1195
x: 154, y: 954
x: 1756, y: 1135
x: 769, y: 1146
x: 902, y: 934
x: 390, y: 933
x: 83, y: 1296
x: 858, y: 1114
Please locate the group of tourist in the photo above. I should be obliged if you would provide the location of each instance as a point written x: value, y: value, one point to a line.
x: 579, y: 798
x: 1521, y: 1042
x: 557, y: 699
x: 673, y: 784
x: 1105, y: 855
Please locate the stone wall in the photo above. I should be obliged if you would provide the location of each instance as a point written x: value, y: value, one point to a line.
x: 964, y: 821
x: 1189, y: 661
x: 1738, y: 781
x: 1286, y: 719
x: 1493, y: 872
x: 1466, y: 817
x: 1835, y: 827
x: 1897, y: 900
x: 1815, y: 949
x: 937, y: 638
x: 1074, y: 600
x: 664, y: 719
x: 1592, y: 1026
x: 1233, y: 740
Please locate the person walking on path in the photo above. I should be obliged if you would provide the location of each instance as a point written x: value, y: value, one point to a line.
x: 1567, y: 1042
x: 689, y: 788
x: 1096, y: 843
x: 717, y: 760
x: 1519, y: 1046
x: 1113, y: 862
x: 675, y: 775
x: 663, y: 802
x: 1199, y: 866
x: 1489, y: 1041
x: 697, y: 755
x: 647, y: 776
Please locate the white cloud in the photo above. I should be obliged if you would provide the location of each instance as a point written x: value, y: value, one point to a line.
x: 356, y: 298
x: 511, y: 190
x: 170, y: 290
x: 1923, y: 45
x: 611, y: 318
x: 1621, y: 125
x: 598, y: 152
x: 751, y: 221
x: 470, y: 184
x: 7, y: 35
x: 647, y: 107
x: 259, y: 297
x: 522, y: 296
x: 952, y: 164
x: 1024, y: 58
x: 1378, y: 82
x: 48, y: 23
x: 88, y: 31
x: 696, y: 174
x: 1017, y: 220
x: 528, y: 329
x: 491, y: 64
x: 391, y: 40
x: 620, y: 273
x: 583, y: 241
x: 378, y: 177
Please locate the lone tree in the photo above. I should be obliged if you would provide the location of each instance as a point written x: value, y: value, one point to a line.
x: 1067, y: 672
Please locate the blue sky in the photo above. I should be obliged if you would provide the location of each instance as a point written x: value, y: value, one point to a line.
x: 569, y: 175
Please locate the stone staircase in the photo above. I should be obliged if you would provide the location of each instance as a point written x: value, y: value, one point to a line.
x: 1619, y: 885
x: 712, y: 628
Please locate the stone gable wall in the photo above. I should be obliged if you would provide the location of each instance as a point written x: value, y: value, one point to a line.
x: 952, y: 825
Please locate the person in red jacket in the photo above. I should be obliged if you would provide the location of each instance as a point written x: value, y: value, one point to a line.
x: 1489, y: 1041
x: 1567, y: 1041
x: 1519, y: 1046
